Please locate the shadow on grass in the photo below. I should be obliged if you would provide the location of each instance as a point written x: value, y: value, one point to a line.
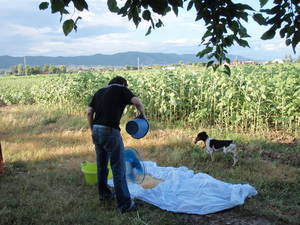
x: 56, y: 193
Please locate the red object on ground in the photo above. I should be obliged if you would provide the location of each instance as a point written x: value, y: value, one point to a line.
x: 1, y: 162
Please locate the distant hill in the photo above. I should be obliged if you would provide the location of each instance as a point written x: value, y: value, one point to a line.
x: 118, y: 59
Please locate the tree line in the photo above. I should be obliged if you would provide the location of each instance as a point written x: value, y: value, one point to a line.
x: 21, y: 70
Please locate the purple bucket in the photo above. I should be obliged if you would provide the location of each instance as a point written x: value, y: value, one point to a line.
x: 137, y: 128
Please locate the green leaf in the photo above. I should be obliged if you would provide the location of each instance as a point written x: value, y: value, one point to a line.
x: 228, y: 41
x: 283, y: 32
x: 129, y: 16
x: 207, y: 34
x: 268, y: 34
x: 190, y: 5
x: 175, y: 10
x: 297, y: 36
x: 78, y: 18
x: 136, y: 19
x: 149, y: 31
x: 289, y: 31
x: 263, y: 3
x: 80, y: 5
x: 122, y: 11
x: 57, y: 6
x: 135, y: 16
x: 152, y: 23
x: 243, y: 32
x: 227, y: 60
x: 215, y: 66
x: 273, y: 11
x: 209, y: 63
x: 242, y: 42
x: 145, y: 3
x: 68, y: 26
x: 227, y: 70
x: 259, y: 19
x: 112, y: 6
x: 288, y: 42
x: 67, y: 2
x: 204, y: 52
x: 168, y: 9
x: 234, y: 26
x: 44, y: 5
x: 295, y: 40
x: 75, y: 27
x: 243, y: 7
x: 242, y: 15
x: 159, y: 6
x: 146, y: 15
x: 176, y: 3
x: 159, y: 23
x: 199, y: 16
x: 210, y: 55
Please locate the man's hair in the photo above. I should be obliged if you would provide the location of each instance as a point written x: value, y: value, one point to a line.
x: 118, y: 80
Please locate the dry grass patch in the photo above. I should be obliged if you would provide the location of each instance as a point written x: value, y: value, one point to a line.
x: 43, y: 150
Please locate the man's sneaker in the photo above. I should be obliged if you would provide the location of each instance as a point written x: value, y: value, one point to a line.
x: 132, y: 207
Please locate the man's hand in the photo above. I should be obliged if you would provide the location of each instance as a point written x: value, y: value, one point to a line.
x: 141, y: 116
x: 90, y: 117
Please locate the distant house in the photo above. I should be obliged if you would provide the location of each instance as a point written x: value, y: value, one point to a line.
x: 234, y: 63
x: 279, y: 61
x: 169, y: 68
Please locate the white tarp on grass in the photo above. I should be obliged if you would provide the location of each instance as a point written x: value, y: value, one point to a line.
x: 186, y: 192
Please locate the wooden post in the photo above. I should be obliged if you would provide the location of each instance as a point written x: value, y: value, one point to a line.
x: 1, y: 162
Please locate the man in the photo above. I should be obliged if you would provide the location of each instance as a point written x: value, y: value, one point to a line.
x: 104, y: 114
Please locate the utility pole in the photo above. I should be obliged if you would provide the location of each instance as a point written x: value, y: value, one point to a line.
x: 138, y: 62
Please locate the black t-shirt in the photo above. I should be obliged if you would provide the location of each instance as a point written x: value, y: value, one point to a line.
x: 109, y: 103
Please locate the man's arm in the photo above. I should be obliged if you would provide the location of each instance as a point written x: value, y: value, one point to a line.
x: 139, y: 105
x: 90, y: 117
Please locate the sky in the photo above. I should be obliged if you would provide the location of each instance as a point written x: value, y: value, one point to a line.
x: 28, y: 31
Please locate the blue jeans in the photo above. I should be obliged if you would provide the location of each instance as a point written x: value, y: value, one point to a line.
x: 109, y: 147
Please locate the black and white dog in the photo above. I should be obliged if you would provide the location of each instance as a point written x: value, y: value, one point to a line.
x: 214, y: 145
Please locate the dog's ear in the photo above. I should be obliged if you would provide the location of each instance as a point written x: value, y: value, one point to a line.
x: 197, y: 138
x: 202, y: 136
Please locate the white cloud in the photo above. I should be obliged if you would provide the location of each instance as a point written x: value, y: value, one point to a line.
x: 274, y: 46
x: 7, y: 5
x: 182, y: 42
x: 102, y: 19
x: 28, y: 31
x: 105, y: 44
x: 12, y: 31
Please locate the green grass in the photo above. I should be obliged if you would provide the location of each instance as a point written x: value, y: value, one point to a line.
x: 43, y: 184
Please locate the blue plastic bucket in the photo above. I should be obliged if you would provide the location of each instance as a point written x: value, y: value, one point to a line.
x: 135, y: 170
x: 137, y: 128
